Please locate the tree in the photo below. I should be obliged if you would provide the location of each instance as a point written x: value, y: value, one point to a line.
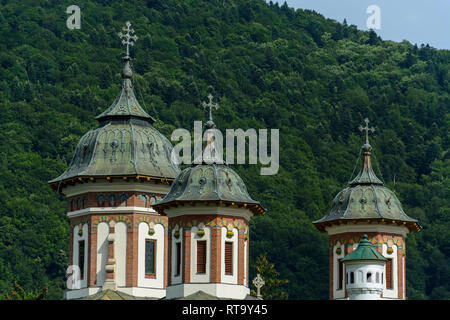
x: 20, y: 294
x: 272, y: 285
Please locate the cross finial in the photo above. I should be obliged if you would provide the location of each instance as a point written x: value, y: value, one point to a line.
x: 128, y: 38
x: 372, y: 129
x: 258, y: 282
x: 210, y: 105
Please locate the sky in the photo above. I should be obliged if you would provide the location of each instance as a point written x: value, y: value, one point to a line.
x: 418, y: 21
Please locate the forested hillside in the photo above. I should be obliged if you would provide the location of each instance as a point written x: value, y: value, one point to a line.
x: 269, y: 66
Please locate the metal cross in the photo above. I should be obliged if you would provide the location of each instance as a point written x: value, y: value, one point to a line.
x: 258, y: 282
x: 210, y: 105
x: 361, y: 128
x: 128, y: 39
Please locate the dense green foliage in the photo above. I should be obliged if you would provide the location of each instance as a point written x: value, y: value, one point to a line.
x: 271, y: 67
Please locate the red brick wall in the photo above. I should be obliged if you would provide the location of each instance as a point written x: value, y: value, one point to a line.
x: 216, y: 245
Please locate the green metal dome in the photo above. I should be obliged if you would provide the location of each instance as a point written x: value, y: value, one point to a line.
x: 124, y: 145
x: 366, y: 198
x: 365, y: 251
x: 209, y: 183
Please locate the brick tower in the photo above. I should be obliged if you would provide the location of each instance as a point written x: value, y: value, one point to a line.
x: 209, y: 210
x: 119, y: 170
x: 366, y: 206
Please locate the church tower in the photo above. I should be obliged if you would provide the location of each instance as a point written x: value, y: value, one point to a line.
x: 209, y: 210
x: 119, y: 170
x: 366, y: 206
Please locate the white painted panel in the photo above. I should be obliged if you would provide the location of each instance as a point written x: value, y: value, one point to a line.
x: 176, y: 279
x: 75, y: 256
x: 120, y: 253
x: 231, y: 279
x: 206, y: 277
x: 158, y: 282
x: 391, y: 293
x: 102, y: 251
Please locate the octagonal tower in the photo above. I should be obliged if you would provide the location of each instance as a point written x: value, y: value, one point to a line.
x: 209, y: 211
x: 119, y: 170
x: 366, y: 206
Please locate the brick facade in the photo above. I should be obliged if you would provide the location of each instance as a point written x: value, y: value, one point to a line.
x: 377, y: 239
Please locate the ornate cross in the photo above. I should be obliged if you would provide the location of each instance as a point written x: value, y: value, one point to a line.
x: 210, y: 105
x: 258, y: 282
x: 361, y: 128
x: 128, y: 39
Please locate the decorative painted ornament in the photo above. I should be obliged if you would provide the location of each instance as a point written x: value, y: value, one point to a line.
x: 230, y: 232
x: 176, y: 234
x: 151, y: 231
x: 338, y: 251
x: 390, y: 250
x: 201, y: 233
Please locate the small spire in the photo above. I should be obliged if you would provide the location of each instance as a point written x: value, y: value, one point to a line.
x: 210, y: 105
x: 372, y: 129
x: 128, y: 38
x: 126, y: 103
x: 212, y: 153
x: 366, y: 175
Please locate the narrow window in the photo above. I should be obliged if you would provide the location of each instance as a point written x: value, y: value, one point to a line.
x: 389, y: 274
x: 150, y: 258
x: 228, y: 258
x: 178, y: 259
x: 81, y: 258
x: 377, y: 277
x: 341, y: 274
x: 369, y: 277
x: 201, y: 256
x: 352, y: 277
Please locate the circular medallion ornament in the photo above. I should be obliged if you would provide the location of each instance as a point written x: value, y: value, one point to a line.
x: 338, y: 251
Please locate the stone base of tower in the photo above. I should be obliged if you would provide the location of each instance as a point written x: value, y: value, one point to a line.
x: 219, y: 290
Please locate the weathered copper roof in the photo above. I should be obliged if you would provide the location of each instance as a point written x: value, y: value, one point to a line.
x: 365, y: 251
x: 126, y: 103
x: 209, y: 183
x: 366, y: 198
x: 124, y: 144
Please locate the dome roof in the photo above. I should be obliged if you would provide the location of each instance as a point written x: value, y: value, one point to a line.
x: 125, y: 144
x: 364, y: 251
x: 209, y: 183
x: 366, y: 198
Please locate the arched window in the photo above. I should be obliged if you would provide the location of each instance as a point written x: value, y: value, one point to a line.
x: 369, y: 277
x: 78, y: 203
x: 112, y: 200
x: 123, y: 199
x: 72, y: 205
x: 352, y: 277
x: 152, y: 200
x: 83, y: 202
x: 101, y: 200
